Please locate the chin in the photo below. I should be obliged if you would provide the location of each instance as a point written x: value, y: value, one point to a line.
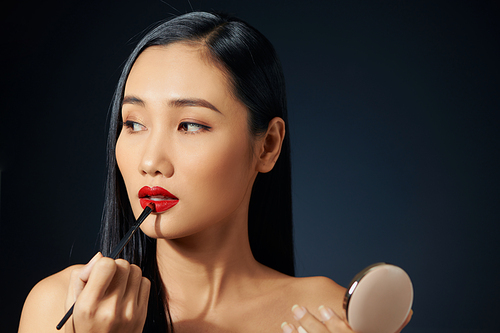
x: 160, y: 228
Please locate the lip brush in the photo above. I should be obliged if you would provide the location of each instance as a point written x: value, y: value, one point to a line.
x: 116, y: 251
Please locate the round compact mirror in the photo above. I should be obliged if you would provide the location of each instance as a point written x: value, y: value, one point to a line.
x: 379, y: 299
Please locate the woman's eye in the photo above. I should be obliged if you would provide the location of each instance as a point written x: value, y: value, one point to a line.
x: 134, y: 126
x: 192, y: 127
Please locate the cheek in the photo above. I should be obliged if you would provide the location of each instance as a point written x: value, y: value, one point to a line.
x: 226, y: 170
x: 120, y: 154
x: 125, y: 159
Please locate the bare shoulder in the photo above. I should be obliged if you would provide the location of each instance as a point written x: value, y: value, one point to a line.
x: 45, y: 304
x: 315, y: 291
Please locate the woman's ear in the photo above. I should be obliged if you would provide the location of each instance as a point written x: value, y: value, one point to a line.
x: 270, y: 145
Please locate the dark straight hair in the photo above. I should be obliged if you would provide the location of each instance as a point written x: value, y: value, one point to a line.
x: 250, y: 63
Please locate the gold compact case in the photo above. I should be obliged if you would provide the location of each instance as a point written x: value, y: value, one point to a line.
x: 378, y: 299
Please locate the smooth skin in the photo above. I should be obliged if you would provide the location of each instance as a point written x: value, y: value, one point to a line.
x: 185, y: 131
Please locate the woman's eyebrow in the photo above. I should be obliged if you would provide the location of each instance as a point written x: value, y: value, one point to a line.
x: 175, y: 103
x: 133, y: 100
x: 192, y: 102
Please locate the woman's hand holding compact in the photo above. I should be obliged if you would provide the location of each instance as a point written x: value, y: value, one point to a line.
x: 330, y: 322
x: 111, y: 296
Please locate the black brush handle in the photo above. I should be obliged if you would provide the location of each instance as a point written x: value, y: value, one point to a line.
x: 116, y: 252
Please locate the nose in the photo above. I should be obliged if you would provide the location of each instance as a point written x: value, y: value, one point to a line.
x: 156, y: 160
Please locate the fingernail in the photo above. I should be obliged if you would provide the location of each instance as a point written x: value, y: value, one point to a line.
x: 94, y: 257
x: 326, y: 313
x: 287, y: 328
x: 298, y: 312
x: 84, y: 274
x: 301, y: 330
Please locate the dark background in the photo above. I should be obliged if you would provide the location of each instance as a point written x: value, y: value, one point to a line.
x: 394, y: 126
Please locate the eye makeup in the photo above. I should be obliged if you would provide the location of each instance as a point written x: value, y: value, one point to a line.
x: 192, y: 128
x: 134, y: 126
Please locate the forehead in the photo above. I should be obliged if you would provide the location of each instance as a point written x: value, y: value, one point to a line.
x: 176, y: 70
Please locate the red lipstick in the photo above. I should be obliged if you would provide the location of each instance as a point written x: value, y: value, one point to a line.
x: 162, y: 199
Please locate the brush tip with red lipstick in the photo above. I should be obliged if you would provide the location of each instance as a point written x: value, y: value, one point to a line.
x: 152, y: 206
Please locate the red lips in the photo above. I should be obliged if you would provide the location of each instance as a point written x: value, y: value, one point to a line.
x: 163, y: 199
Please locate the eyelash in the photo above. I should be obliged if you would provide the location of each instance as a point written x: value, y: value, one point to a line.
x: 130, y: 125
x: 185, y: 124
x: 182, y: 127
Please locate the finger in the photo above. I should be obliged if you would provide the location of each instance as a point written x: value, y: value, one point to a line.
x: 142, y: 300
x: 410, y: 315
x: 85, y: 272
x: 143, y: 297
x: 288, y: 328
x: 119, y: 284
x: 307, y: 320
x: 133, y: 283
x: 75, y: 287
x: 80, y: 276
x: 332, y: 321
x: 100, y: 278
x: 136, y: 296
x: 407, y: 320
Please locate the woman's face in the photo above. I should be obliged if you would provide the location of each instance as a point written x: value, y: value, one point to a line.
x: 185, y: 133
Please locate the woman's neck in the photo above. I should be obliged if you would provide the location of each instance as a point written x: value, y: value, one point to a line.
x: 200, y: 270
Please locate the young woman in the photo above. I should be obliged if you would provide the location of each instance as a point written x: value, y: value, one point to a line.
x: 198, y: 127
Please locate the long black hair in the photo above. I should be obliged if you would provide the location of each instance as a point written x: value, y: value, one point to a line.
x: 254, y: 71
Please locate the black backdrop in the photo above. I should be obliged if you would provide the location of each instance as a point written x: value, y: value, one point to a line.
x: 394, y: 126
